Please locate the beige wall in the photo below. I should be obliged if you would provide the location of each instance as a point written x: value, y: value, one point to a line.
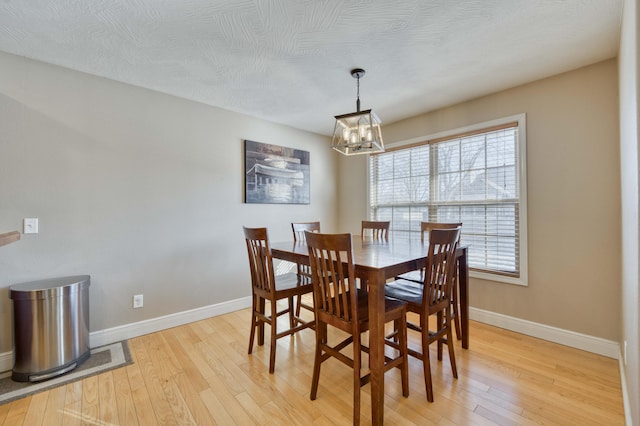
x: 629, y: 164
x: 573, y: 197
x: 141, y: 190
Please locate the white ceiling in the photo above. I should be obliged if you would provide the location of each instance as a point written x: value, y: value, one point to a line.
x: 289, y: 61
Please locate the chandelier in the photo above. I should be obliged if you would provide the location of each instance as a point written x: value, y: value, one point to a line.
x: 357, y: 132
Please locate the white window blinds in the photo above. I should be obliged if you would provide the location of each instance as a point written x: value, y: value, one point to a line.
x: 470, y: 177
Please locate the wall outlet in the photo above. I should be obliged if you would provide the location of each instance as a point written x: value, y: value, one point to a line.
x: 30, y: 225
x: 138, y: 301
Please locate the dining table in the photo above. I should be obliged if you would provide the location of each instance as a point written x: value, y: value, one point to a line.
x: 376, y: 261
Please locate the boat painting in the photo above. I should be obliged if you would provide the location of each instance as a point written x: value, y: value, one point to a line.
x: 276, y: 174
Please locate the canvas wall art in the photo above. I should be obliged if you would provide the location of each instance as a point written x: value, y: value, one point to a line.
x: 275, y: 174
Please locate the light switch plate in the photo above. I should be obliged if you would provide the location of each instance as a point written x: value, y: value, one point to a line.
x: 30, y: 225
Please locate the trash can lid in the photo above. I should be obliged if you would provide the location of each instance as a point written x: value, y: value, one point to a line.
x: 49, y: 288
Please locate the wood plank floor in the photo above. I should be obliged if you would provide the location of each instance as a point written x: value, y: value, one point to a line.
x: 200, y: 374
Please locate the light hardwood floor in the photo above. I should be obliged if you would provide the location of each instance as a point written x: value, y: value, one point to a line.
x: 200, y: 374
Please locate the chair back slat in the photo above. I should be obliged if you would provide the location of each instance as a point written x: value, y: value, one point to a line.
x: 378, y: 229
x: 260, y: 260
x: 299, y: 229
x: 441, y: 264
x: 331, y: 260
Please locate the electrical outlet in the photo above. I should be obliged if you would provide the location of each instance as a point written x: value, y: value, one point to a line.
x: 138, y: 301
x: 30, y: 225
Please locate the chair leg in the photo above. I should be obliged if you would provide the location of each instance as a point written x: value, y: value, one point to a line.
x: 321, y: 330
x: 274, y: 332
x: 397, y: 326
x: 254, y: 324
x: 291, y: 313
x: 301, y: 280
x: 402, y: 340
x: 298, y: 305
x: 357, y: 363
x: 452, y: 355
x: 456, y: 313
x: 440, y: 323
x: 261, y: 306
x: 426, y: 359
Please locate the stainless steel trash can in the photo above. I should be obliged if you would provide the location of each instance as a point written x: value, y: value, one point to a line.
x: 50, y: 327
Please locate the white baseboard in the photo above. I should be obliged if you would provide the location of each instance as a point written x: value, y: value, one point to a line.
x: 585, y: 342
x: 625, y: 393
x: 129, y: 331
x: 6, y: 362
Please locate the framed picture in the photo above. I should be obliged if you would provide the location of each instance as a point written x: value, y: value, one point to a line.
x: 275, y: 174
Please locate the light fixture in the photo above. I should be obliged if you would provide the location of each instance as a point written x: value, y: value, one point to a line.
x: 357, y: 132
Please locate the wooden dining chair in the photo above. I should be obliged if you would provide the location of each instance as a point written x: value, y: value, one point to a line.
x: 338, y: 303
x: 418, y: 276
x: 299, y: 229
x: 377, y: 229
x: 432, y: 297
x: 303, y: 270
x: 266, y: 286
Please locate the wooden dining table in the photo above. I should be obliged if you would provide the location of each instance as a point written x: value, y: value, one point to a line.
x: 375, y: 262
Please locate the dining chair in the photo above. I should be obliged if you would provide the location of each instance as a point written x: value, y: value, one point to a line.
x: 300, y: 227
x: 304, y: 270
x: 418, y: 275
x: 337, y: 302
x: 431, y: 297
x: 378, y: 229
x: 266, y: 286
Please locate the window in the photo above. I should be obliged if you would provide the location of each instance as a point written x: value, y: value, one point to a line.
x: 475, y: 176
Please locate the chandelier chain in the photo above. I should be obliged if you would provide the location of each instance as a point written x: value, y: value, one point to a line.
x: 358, y: 94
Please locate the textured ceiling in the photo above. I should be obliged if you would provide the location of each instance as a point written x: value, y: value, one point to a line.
x: 288, y: 61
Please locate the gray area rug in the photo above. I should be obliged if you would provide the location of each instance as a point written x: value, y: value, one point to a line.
x: 102, y: 359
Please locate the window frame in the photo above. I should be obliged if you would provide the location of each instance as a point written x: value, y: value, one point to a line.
x: 523, y: 279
